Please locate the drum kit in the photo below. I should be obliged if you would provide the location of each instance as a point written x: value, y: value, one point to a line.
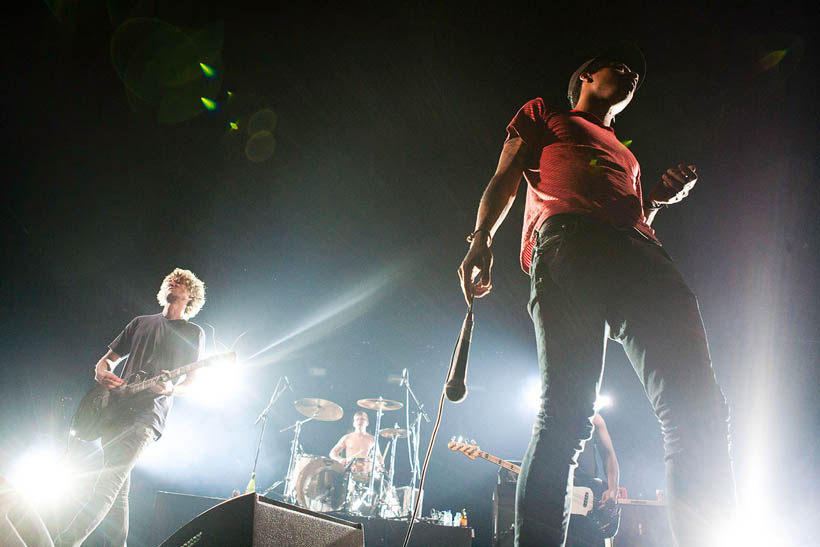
x: 321, y: 484
x: 359, y: 488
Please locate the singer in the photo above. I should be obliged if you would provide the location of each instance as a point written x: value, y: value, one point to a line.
x: 151, y: 342
x: 598, y: 271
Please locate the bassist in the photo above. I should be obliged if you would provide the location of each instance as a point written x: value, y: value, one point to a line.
x: 153, y: 344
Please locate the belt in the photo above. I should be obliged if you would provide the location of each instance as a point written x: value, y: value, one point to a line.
x: 570, y: 221
x: 563, y: 221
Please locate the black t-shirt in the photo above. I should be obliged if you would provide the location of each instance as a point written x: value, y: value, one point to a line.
x: 153, y: 343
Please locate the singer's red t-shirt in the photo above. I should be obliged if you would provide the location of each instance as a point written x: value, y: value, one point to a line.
x: 577, y: 165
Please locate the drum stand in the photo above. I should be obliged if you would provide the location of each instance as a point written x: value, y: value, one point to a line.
x: 379, y: 414
x: 290, y: 491
x: 389, y: 489
x: 413, y: 435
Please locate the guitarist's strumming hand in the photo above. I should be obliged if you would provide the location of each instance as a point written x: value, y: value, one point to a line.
x: 107, y: 379
x: 163, y: 388
x: 609, y: 496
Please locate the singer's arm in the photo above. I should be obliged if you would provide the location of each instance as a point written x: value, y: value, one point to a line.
x: 475, y: 269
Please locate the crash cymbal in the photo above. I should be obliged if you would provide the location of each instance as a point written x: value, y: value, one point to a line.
x: 375, y: 404
x: 319, y: 409
x: 391, y: 432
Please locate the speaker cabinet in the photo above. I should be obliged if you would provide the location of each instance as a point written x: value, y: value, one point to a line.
x: 172, y: 511
x: 504, y: 514
x: 390, y: 533
x: 643, y: 524
x: 252, y: 521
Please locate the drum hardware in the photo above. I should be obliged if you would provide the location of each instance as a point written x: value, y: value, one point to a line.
x: 379, y: 405
x: 413, y: 436
x: 314, y: 409
x: 263, y: 417
x: 394, y: 432
x: 319, y: 409
x: 389, y: 503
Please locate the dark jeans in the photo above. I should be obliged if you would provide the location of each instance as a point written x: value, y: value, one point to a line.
x: 109, y: 502
x: 591, y: 282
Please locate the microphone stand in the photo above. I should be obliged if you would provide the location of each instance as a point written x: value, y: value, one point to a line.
x: 413, y: 431
x: 277, y: 392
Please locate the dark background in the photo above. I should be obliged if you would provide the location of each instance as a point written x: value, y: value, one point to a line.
x: 338, y: 253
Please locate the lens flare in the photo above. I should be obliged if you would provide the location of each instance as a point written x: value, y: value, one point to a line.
x: 208, y: 71
x: 209, y: 105
x: 771, y: 60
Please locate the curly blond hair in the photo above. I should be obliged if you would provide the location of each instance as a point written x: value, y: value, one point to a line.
x: 191, y: 282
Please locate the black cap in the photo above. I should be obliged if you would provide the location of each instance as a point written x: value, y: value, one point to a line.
x: 623, y: 51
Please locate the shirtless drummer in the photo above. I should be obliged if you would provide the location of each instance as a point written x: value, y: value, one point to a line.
x: 357, y: 447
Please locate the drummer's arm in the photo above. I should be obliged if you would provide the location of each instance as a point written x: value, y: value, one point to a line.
x: 336, y: 451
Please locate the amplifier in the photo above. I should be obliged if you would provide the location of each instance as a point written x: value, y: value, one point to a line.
x: 252, y: 521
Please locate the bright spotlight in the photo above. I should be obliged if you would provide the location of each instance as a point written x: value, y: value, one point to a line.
x: 42, y: 475
x: 531, y: 396
x: 215, y: 385
x: 603, y: 401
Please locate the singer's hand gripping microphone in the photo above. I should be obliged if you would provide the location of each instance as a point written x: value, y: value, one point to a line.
x: 456, y: 386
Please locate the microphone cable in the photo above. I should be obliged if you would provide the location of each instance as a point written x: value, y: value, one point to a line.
x: 417, y: 505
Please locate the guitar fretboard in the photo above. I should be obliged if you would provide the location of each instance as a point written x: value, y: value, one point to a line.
x: 137, y: 387
x: 498, y: 461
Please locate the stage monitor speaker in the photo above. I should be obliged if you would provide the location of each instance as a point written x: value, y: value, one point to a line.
x: 173, y: 510
x: 252, y: 521
x: 504, y: 514
x: 643, y: 524
x: 390, y: 533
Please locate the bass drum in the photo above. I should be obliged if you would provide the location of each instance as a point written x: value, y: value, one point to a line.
x: 322, y: 486
x: 298, y: 466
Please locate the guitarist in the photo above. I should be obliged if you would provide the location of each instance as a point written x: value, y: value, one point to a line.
x: 584, y: 532
x: 153, y: 344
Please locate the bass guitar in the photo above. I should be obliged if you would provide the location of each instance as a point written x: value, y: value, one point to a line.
x: 100, y: 407
x: 606, y: 518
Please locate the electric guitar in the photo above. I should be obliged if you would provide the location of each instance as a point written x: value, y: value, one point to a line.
x: 606, y: 518
x: 101, y: 407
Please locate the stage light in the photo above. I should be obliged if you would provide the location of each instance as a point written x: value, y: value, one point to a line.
x: 530, y: 400
x: 216, y: 385
x: 603, y: 401
x: 42, y: 475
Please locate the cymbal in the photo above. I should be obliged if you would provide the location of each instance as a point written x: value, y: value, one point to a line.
x: 375, y: 404
x: 319, y: 409
x: 391, y: 432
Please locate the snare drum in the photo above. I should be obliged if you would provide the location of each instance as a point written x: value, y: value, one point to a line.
x: 360, y: 468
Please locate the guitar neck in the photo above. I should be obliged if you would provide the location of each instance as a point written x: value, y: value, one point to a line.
x: 498, y: 461
x: 137, y: 387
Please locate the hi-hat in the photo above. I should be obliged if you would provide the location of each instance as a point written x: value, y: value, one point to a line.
x: 319, y: 409
x: 376, y: 404
x: 391, y: 432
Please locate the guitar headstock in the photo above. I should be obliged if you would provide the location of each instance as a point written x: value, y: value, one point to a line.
x: 468, y: 448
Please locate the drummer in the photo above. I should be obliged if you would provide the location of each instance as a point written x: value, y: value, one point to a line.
x: 357, y: 447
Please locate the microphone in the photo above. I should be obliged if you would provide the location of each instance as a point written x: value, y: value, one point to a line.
x: 287, y: 383
x: 404, y: 377
x: 456, y: 386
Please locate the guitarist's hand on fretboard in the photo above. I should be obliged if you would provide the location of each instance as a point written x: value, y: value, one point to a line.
x: 163, y: 387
